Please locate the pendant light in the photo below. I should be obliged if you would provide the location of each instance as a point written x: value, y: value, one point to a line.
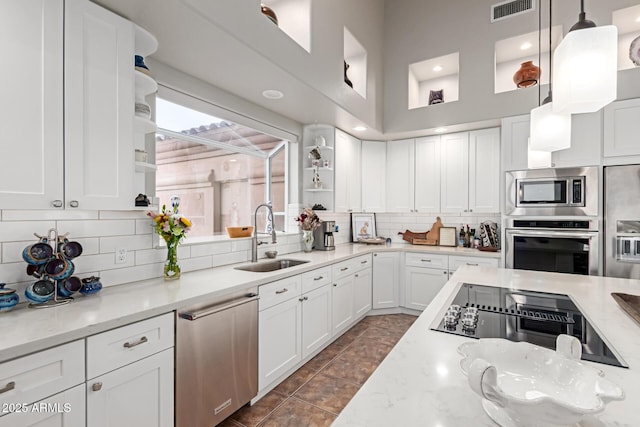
x: 586, y: 67
x: 549, y: 130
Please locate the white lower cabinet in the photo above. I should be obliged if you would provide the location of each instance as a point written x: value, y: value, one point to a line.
x: 456, y: 261
x: 65, y: 409
x: 362, y: 292
x: 386, y: 280
x: 422, y: 285
x: 342, y: 294
x: 316, y: 319
x: 139, y: 394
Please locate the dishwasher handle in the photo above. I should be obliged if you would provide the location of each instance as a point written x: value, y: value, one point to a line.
x: 216, y: 308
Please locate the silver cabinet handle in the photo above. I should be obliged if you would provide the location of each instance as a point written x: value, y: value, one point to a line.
x: 425, y: 260
x: 133, y: 344
x: 10, y: 386
x: 216, y: 308
x: 300, y: 299
x: 335, y: 284
x: 364, y: 262
x: 96, y: 386
x: 470, y: 210
x: 305, y: 298
x: 445, y: 272
x: 356, y: 275
x: 318, y: 278
x: 476, y: 264
x: 74, y: 203
x: 56, y: 203
x: 344, y: 268
x: 375, y: 254
x: 282, y: 291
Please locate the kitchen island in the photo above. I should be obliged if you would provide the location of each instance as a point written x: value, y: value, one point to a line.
x: 420, y: 383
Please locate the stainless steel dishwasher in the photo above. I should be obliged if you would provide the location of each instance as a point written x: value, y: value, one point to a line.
x: 216, y: 358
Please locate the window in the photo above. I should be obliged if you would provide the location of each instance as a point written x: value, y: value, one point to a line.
x: 220, y: 170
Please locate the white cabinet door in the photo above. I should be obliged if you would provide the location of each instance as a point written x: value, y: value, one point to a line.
x: 386, y: 279
x: 279, y: 346
x: 484, y: 170
x: 342, y: 303
x: 99, y: 108
x: 347, y: 191
x: 139, y: 394
x: 422, y: 285
x: 586, y: 142
x: 400, y: 176
x: 316, y: 319
x: 620, y: 131
x: 362, y: 291
x: 515, y: 142
x: 454, y: 172
x: 427, y: 174
x: 31, y: 139
x: 374, y: 158
x: 66, y: 409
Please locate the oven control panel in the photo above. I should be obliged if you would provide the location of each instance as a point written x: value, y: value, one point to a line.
x: 628, y: 248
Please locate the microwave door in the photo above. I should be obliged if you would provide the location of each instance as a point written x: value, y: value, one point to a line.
x: 542, y: 193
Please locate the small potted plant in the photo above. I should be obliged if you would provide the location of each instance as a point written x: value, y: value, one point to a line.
x: 308, y: 221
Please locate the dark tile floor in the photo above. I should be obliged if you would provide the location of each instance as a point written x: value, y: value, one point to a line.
x: 316, y: 393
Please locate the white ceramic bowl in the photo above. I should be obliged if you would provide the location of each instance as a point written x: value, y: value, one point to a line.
x: 529, y: 386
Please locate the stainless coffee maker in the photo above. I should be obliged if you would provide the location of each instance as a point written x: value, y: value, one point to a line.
x: 323, y: 236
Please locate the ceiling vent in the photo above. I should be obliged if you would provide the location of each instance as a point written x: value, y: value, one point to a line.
x: 507, y: 9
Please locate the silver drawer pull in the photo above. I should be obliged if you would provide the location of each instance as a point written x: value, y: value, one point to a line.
x: 133, y: 344
x: 306, y: 298
x: 470, y: 263
x: 10, y: 386
x: 425, y: 260
x: 364, y: 262
x: 344, y: 268
x: 96, y: 386
x: 282, y: 291
x: 318, y: 278
x: 356, y: 275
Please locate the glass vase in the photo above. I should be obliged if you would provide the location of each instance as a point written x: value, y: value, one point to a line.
x: 307, y: 240
x: 171, y: 266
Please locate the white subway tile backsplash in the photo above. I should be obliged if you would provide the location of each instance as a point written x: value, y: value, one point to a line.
x: 13, y: 272
x: 242, y: 244
x: 131, y: 274
x: 199, y: 250
x: 100, y: 262
x: 41, y: 215
x: 90, y: 245
x: 192, y: 264
x: 144, y: 226
x: 130, y: 243
x: 12, y: 231
x: 151, y: 256
x: 106, y: 227
x: 141, y: 214
x: 231, y: 258
x: 12, y: 251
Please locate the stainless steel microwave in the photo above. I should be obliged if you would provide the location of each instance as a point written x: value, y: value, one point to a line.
x: 555, y: 192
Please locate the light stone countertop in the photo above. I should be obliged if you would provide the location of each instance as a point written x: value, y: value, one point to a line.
x: 420, y: 383
x: 27, y: 330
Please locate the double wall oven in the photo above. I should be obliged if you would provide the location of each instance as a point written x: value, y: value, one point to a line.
x: 552, y: 222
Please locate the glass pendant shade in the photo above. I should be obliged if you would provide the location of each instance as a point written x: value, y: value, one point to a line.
x: 549, y: 131
x: 537, y: 159
x: 585, y: 70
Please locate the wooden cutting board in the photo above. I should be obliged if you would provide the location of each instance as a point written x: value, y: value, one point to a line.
x: 629, y: 303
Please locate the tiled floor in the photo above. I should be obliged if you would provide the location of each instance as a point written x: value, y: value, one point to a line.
x: 316, y: 393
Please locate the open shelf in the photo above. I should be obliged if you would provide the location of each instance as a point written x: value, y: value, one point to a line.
x: 143, y: 125
x: 145, y: 167
x: 145, y: 85
x: 512, y: 52
x: 294, y: 19
x: 318, y: 190
x: 435, y: 74
x: 355, y: 55
x: 145, y: 42
x: 628, y: 22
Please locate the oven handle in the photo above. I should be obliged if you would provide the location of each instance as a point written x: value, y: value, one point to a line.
x: 539, y: 233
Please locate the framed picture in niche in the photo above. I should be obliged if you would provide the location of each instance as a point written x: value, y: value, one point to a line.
x: 363, y: 226
x: 436, y: 96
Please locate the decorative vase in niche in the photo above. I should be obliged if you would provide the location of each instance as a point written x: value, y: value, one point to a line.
x: 307, y: 240
x: 269, y: 13
x: 634, y: 51
x: 346, y: 78
x: 527, y: 75
x: 171, y: 266
x: 436, y: 96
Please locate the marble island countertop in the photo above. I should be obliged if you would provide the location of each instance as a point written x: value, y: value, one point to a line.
x: 420, y: 383
x: 27, y: 330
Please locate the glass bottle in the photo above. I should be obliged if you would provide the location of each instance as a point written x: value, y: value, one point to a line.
x: 461, y: 236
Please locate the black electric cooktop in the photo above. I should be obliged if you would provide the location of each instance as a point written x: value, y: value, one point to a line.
x: 480, y: 311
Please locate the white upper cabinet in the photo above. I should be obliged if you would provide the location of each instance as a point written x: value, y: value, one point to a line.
x: 484, y: 170
x: 515, y: 142
x: 427, y: 174
x: 31, y: 140
x: 374, y: 157
x: 400, y: 176
x: 620, y: 132
x: 348, y: 191
x: 454, y: 172
x: 99, y: 107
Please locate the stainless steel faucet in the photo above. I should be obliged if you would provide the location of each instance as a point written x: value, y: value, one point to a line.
x: 254, y: 240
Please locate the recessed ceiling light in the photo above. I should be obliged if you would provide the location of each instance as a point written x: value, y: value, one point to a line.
x: 359, y: 128
x: 440, y: 130
x: 272, y: 94
x: 525, y: 46
x: 437, y: 68
x: 233, y: 160
x: 638, y: 19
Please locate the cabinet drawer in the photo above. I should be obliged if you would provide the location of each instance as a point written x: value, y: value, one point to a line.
x: 112, y: 349
x: 415, y: 259
x: 343, y: 269
x: 279, y: 291
x: 457, y: 261
x: 34, y: 377
x: 362, y: 262
x: 316, y: 279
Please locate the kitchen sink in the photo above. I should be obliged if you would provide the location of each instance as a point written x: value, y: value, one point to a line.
x: 263, y: 267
